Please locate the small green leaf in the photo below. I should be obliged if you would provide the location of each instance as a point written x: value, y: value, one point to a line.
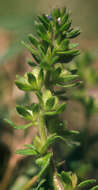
x: 43, y: 19
x: 34, y: 52
x: 74, y: 33
x: 60, y: 92
x: 59, y: 110
x: 31, y: 146
x: 54, y: 59
x: 71, y: 46
x: 73, y: 132
x: 28, y: 152
x: 63, y: 11
x: 65, y: 18
x: 24, y: 112
x: 22, y: 127
x: 35, y: 107
x: 49, y: 141
x: 94, y: 188
x: 41, y: 28
x: 57, y: 73
x: 66, y: 177
x: 46, y: 95
x: 32, y: 80
x: 44, y: 163
x: 37, y: 143
x: 33, y: 40
x: 66, y: 86
x: 50, y: 103
x: 22, y: 84
x: 87, y: 183
x: 65, y: 43
x: 56, y: 13
x: 41, y: 183
x: 69, y: 52
x: 65, y: 26
x: 40, y: 77
x: 31, y: 63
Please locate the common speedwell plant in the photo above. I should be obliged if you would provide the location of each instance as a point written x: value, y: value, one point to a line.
x: 50, y: 80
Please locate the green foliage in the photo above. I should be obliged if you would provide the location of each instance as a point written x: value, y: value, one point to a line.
x: 51, y: 51
x: 78, y: 159
x: 17, y: 126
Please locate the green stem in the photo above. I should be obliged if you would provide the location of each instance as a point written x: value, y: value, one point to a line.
x: 42, y: 129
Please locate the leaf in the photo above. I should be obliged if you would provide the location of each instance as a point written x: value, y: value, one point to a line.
x: 39, y: 96
x: 57, y: 73
x: 22, y: 127
x: 65, y: 26
x: 54, y: 59
x: 23, y: 86
x: 34, y: 52
x: 41, y: 28
x: 71, y: 143
x: 46, y: 95
x: 86, y: 183
x: 28, y: 152
x: 60, y: 92
x: 66, y: 177
x: 66, y: 86
x: 44, y: 163
x: 33, y: 40
x: 24, y: 112
x: 49, y: 141
x: 41, y: 183
x: 32, y: 80
x: 31, y: 146
x: 31, y: 63
x: 71, y: 46
x: 42, y: 188
x: 43, y: 19
x: 65, y: 43
x: 69, y: 52
x: 94, y: 188
x: 66, y: 78
x: 74, y: 132
x: 65, y: 18
x: 74, y: 33
x: 59, y: 110
x: 50, y: 103
x: 63, y: 11
x: 40, y: 77
x: 37, y: 143
x: 56, y: 13
x: 35, y: 107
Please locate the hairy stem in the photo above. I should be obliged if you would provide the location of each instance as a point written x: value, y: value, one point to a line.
x: 42, y: 129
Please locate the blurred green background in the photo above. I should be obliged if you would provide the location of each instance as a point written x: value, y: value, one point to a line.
x: 16, y: 21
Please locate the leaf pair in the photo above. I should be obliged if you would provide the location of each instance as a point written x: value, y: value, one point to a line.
x: 29, y: 112
x: 36, y: 78
x: 32, y: 81
x: 51, y: 104
x: 51, y: 139
x: 29, y: 151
